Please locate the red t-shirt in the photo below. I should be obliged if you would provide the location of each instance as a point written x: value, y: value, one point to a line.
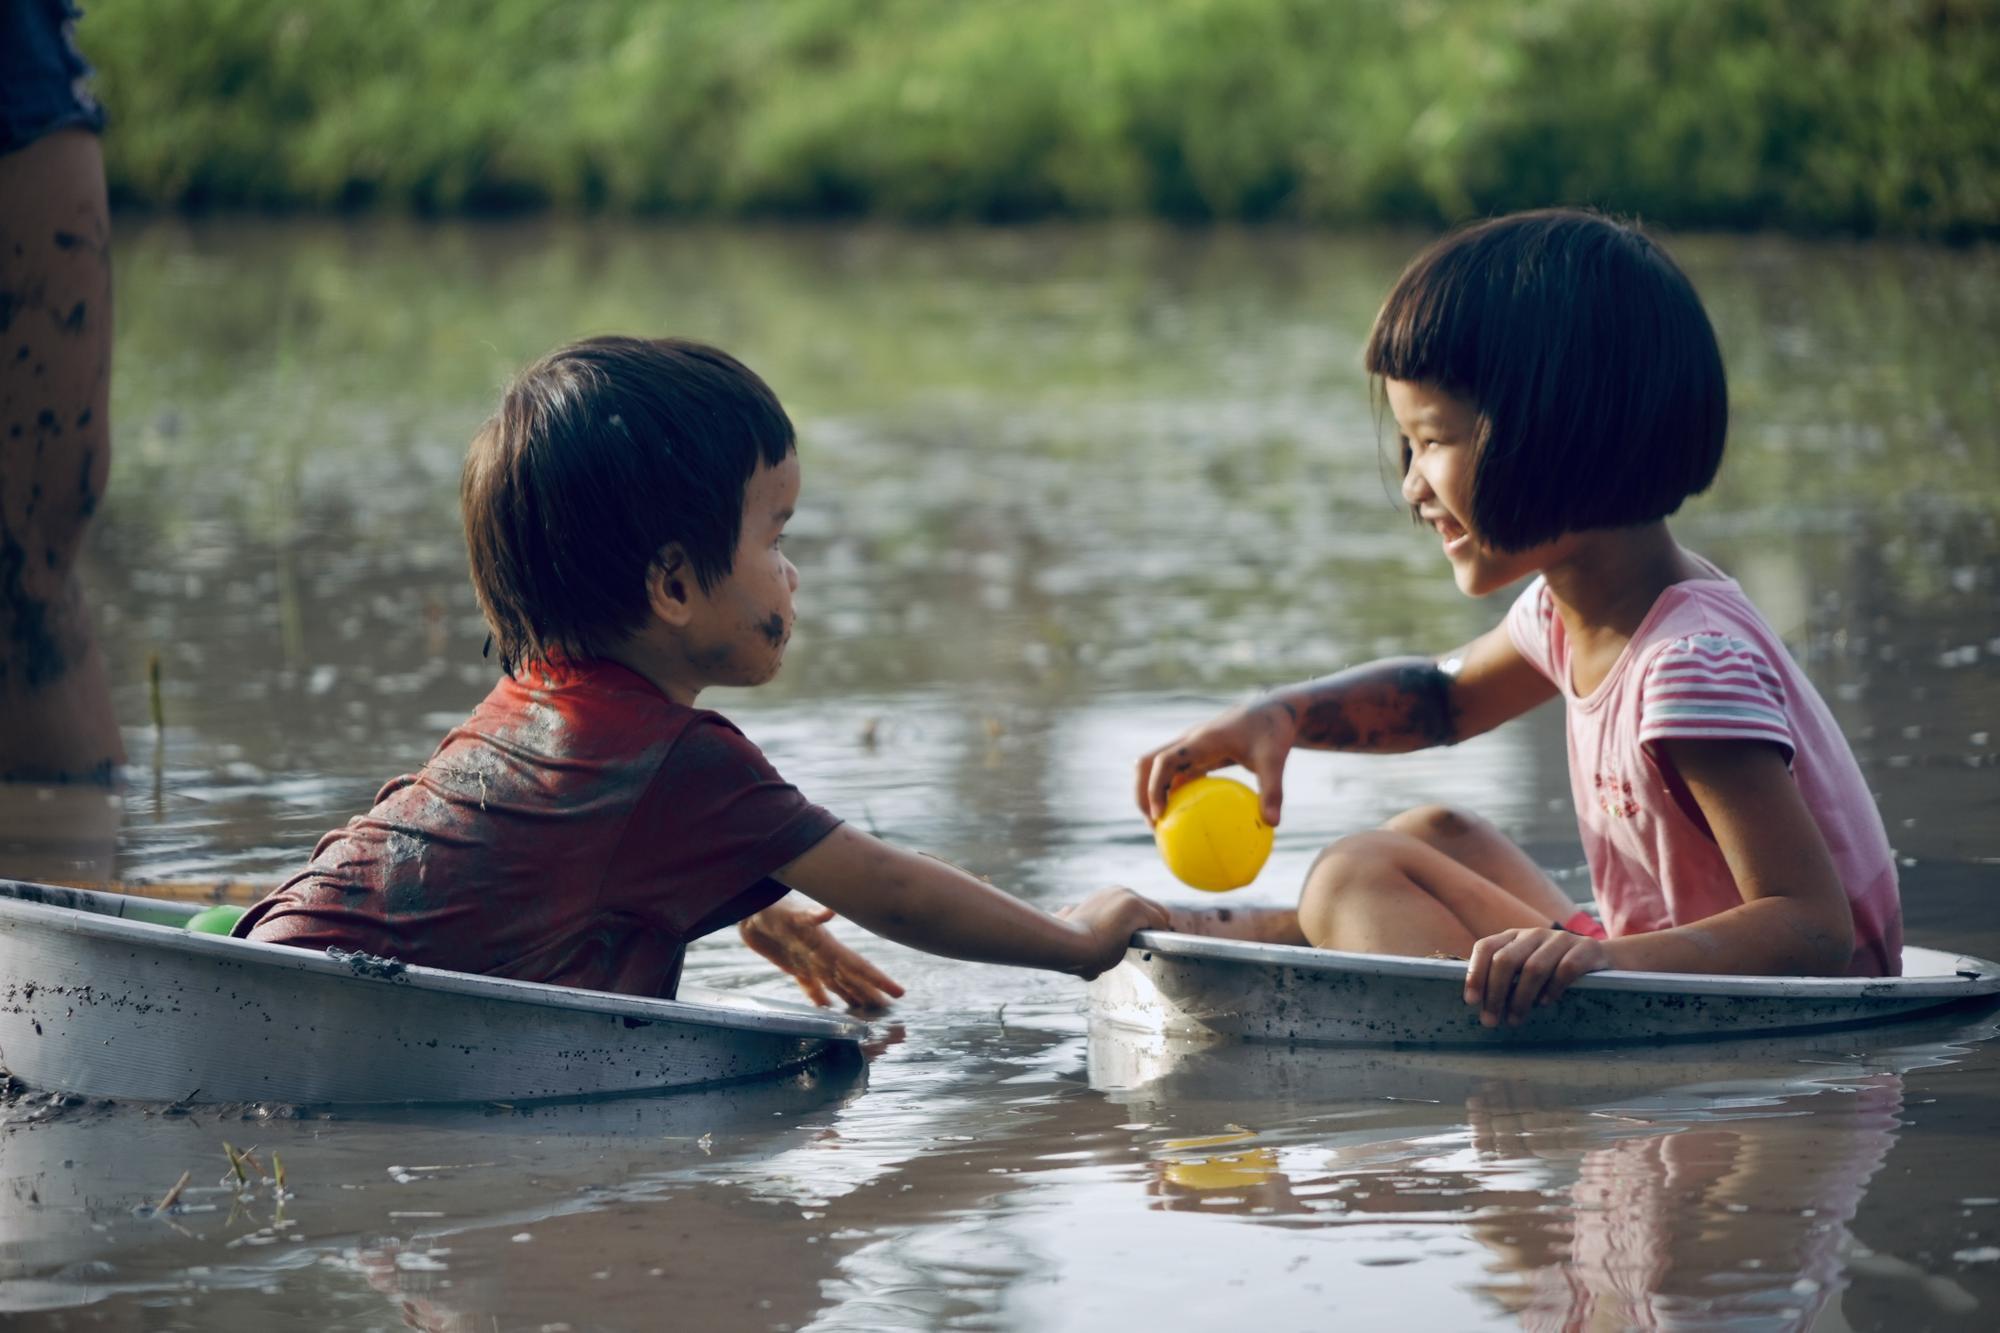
x: 579, y: 828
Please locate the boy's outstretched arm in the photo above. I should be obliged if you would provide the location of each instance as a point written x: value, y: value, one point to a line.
x: 1391, y: 706
x: 932, y: 905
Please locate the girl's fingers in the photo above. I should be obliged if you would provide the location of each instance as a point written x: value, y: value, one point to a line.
x: 1581, y: 961
x: 1536, y: 975
x: 1498, y: 981
x: 1271, y: 789
x: 1143, y: 784
x: 1501, y: 975
x: 1157, y: 784
x: 1156, y: 779
x: 1479, y: 969
x: 1170, y: 767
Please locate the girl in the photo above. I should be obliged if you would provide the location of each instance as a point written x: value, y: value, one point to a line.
x: 1558, y: 392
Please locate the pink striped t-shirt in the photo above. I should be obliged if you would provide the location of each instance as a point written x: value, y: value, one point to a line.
x: 1703, y: 664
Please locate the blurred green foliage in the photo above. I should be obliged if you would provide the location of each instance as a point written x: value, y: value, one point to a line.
x: 1855, y: 115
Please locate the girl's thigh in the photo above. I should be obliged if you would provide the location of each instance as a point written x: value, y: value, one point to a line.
x: 1389, y: 892
x: 1488, y: 853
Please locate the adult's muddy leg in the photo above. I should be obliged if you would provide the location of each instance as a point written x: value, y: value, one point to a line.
x: 56, y: 722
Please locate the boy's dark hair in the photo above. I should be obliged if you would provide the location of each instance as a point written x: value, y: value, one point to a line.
x: 1592, y: 365
x: 602, y: 454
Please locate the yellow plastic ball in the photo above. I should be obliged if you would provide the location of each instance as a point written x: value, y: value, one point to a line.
x: 1213, y: 836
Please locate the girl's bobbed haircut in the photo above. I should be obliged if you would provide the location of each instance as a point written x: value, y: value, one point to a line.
x: 1588, y: 358
x: 603, y: 454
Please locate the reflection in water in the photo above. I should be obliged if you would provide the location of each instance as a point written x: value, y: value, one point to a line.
x: 1684, y: 1193
x: 68, y: 834
x: 368, y: 1190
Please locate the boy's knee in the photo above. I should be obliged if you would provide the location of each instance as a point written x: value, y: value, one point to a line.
x: 1433, y: 824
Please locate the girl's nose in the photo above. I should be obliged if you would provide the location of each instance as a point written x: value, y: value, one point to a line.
x: 792, y: 575
x: 1414, y: 486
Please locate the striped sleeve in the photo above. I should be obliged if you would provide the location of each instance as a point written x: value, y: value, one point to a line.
x: 1713, y: 687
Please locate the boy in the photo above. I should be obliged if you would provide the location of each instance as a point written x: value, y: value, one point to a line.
x: 624, y: 512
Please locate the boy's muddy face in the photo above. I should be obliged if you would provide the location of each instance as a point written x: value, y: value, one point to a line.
x: 745, y: 621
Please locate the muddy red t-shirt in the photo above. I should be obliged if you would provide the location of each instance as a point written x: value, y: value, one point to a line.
x: 579, y: 828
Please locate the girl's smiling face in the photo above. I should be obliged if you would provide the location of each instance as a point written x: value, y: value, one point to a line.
x: 1438, y: 432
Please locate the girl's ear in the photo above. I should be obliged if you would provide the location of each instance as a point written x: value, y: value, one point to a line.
x: 670, y: 588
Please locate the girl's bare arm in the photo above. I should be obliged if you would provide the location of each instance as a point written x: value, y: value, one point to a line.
x: 1795, y: 919
x: 1390, y: 706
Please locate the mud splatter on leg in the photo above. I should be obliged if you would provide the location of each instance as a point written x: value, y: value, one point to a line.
x: 55, y: 454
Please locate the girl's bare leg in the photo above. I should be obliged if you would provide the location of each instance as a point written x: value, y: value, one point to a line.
x: 1430, y: 881
x: 56, y: 722
x: 1488, y: 853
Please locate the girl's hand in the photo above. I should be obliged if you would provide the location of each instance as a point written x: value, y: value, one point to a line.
x: 805, y: 950
x: 1111, y: 915
x: 1513, y: 972
x: 1259, y: 736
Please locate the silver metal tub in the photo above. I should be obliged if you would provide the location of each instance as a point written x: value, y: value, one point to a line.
x: 1190, y: 985
x: 105, y: 995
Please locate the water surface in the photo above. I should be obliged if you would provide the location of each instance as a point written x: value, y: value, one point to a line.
x: 1067, y: 491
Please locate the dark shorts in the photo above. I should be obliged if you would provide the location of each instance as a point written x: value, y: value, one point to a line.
x: 43, y: 77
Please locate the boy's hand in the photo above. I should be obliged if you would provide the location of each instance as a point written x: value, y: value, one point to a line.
x: 1513, y: 972
x: 1111, y: 916
x: 1258, y: 736
x: 804, y: 949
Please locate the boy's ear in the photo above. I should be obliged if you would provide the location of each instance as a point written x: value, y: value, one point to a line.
x: 670, y: 586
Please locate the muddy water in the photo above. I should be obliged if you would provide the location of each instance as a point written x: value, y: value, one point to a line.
x: 1065, y: 493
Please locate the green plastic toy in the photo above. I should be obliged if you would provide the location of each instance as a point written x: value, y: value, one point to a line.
x: 217, y: 920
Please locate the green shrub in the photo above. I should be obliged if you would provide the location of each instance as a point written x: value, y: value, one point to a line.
x: 1853, y: 115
